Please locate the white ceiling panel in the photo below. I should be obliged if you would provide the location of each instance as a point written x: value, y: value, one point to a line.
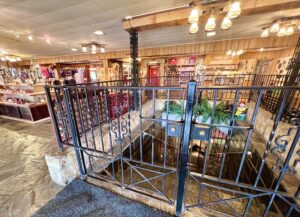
x: 69, y: 23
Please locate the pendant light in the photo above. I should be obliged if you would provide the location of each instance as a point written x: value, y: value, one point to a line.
x: 228, y: 53
x: 84, y: 49
x: 194, y: 28
x: 211, y: 24
x: 102, y: 50
x: 275, y: 28
x: 289, y: 31
x: 282, y: 32
x: 235, y: 10
x: 265, y: 33
x: 194, y: 16
x: 226, y: 23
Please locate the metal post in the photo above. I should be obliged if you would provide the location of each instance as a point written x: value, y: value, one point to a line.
x: 75, y: 134
x: 134, y: 55
x: 53, y: 117
x: 191, y: 89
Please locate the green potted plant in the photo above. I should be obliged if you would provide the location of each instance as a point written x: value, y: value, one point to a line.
x: 175, y: 111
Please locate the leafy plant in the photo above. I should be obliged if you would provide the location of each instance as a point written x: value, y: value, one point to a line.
x: 204, y: 109
x: 174, y: 107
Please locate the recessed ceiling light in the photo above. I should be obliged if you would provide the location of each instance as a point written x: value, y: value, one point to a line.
x: 99, y: 32
x: 30, y: 37
x: 73, y: 49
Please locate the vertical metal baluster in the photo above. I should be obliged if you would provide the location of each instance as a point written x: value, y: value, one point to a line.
x: 289, y: 212
x: 167, y: 125
x: 153, y: 127
x: 90, y: 118
x: 185, y: 145
x: 269, y: 143
x: 81, y: 117
x: 210, y: 132
x: 129, y: 126
x: 249, y: 136
x: 247, y: 207
x: 284, y: 170
x: 64, y: 124
x: 118, y: 111
x: 99, y: 120
x: 230, y: 132
x: 53, y: 117
x: 141, y: 126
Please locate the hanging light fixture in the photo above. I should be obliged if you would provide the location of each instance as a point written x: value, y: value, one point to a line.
x: 282, y: 32
x: 194, y: 28
x: 275, y: 27
x: 235, y: 10
x: 94, y: 47
x: 84, y: 49
x: 228, y: 53
x: 194, y: 15
x: 226, y: 23
x: 211, y: 24
x: 265, y: 33
x: 210, y: 34
x: 102, y: 50
x: 239, y: 52
x: 290, y: 30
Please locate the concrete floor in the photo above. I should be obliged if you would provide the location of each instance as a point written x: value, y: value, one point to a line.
x: 25, y: 184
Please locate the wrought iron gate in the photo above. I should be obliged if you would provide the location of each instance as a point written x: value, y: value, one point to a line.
x: 191, y: 147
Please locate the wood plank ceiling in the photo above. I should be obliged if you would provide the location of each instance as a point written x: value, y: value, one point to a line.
x: 69, y: 23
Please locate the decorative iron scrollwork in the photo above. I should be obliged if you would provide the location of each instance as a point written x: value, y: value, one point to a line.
x: 281, y: 147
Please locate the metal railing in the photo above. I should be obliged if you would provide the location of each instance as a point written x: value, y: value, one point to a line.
x: 190, y: 146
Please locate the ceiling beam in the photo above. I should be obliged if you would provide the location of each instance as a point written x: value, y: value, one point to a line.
x: 179, y: 16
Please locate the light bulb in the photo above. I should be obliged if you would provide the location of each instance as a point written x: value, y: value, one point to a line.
x: 194, y: 16
x: 210, y: 34
x: 265, y: 33
x: 194, y: 28
x: 235, y: 10
x: 30, y: 37
x: 289, y: 31
x: 102, y: 50
x: 228, y: 53
x: 211, y: 24
x: 84, y: 49
x: 282, y: 32
x: 226, y: 23
x: 274, y: 28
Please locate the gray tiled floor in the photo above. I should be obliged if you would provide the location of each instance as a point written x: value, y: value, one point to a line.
x: 25, y: 184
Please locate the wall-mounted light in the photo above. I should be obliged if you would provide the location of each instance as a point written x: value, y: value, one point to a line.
x: 84, y: 49
x: 194, y: 15
x: 290, y: 30
x: 226, y: 23
x: 235, y: 10
x: 210, y: 34
x: 194, y: 28
x: 275, y: 28
x: 265, y: 33
x: 211, y: 24
x: 282, y: 32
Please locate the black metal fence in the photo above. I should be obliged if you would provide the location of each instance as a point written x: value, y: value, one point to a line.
x: 191, y: 146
